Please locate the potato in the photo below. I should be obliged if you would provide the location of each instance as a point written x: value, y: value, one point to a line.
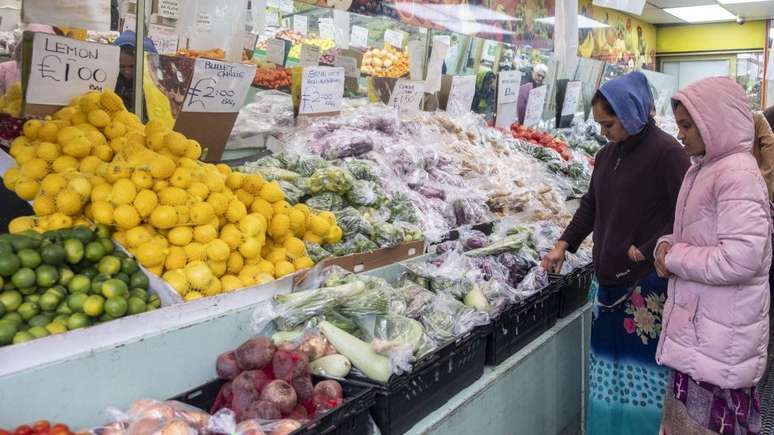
x: 282, y: 394
x: 254, y: 353
x: 226, y: 366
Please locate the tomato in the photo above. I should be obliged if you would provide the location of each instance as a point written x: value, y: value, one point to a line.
x: 23, y: 430
x: 59, y: 430
x: 41, y: 425
x: 61, y: 426
x: 4, y: 432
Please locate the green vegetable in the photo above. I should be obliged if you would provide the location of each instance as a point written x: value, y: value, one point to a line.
x: 307, y: 165
x: 331, y: 179
x: 272, y: 174
x: 373, y: 365
x: 387, y: 235
x: 365, y: 193
x: 286, y: 336
x: 361, y: 169
x: 476, y: 299
x: 296, y: 308
x: 316, y: 252
x: 352, y: 245
x: 326, y: 201
x: 293, y: 194
x: 331, y: 365
x: 352, y: 222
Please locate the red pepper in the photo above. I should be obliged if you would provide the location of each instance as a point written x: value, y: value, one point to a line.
x: 41, y: 425
x: 23, y: 430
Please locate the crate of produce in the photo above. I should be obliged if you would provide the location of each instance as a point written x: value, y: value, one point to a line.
x: 575, y: 292
x: 435, y: 379
x: 516, y: 327
x: 349, y: 418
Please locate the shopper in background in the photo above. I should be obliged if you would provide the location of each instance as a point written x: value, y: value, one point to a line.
x: 533, y: 78
x: 629, y: 205
x: 763, y: 150
x: 125, y: 82
x: 716, y: 318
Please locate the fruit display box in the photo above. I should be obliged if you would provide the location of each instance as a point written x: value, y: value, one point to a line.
x: 369, y: 261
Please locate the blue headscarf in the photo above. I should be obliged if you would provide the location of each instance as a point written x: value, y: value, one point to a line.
x: 631, y: 99
x: 129, y: 39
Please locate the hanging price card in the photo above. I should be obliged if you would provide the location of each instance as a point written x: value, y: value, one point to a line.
x: 272, y: 17
x: 435, y: 67
x: 341, y: 24
x: 349, y: 64
x: 322, y: 89
x: 169, y: 8
x: 286, y: 6
x: 535, y: 104
x: 218, y: 87
x: 394, y: 38
x: 326, y: 29
x: 204, y: 22
x: 508, y: 86
x: 301, y: 24
x: 571, y: 96
x: 463, y: 89
x: 63, y: 68
x: 310, y: 55
x: 359, y: 38
x: 163, y: 37
x: 407, y: 95
x: 416, y: 58
x: 276, y: 51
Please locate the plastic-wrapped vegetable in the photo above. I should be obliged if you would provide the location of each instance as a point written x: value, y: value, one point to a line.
x: 308, y: 164
x: 389, y: 332
x: 293, y: 309
x: 536, y: 279
x: 411, y: 232
x: 347, y: 145
x: 448, y: 318
x: 293, y: 194
x: 352, y: 245
x: 369, y: 301
x: 471, y: 211
x: 288, y: 159
x: 417, y: 299
x: 271, y: 174
x: 270, y: 162
x: 402, y: 209
x: 364, y: 193
x: 518, y: 264
x: 387, y: 235
x: 331, y: 179
x: 326, y: 201
x: 316, y: 252
x: 361, y: 169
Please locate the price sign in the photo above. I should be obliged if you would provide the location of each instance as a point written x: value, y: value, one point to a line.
x: 349, y: 64
x: 272, y: 18
x: 508, y: 86
x: 276, y: 51
x: 130, y: 22
x: 163, y: 37
x: 416, y: 57
x: 535, y: 104
x: 204, y: 22
x: 169, y: 8
x: 407, y: 95
x: 489, y: 52
x: 301, y: 24
x: 218, y: 87
x: 435, y: 67
x: 341, y: 24
x: 322, y: 89
x: 310, y: 55
x: 359, y: 38
x: 63, y: 68
x: 571, y: 96
x: 286, y: 6
x: 274, y: 4
x: 259, y: 16
x: 463, y: 89
x: 326, y: 29
x: 394, y: 38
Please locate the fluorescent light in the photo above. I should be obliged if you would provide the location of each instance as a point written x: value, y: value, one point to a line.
x: 584, y: 22
x: 701, y: 14
x: 734, y: 2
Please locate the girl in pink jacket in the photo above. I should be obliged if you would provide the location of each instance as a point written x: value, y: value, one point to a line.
x: 716, y: 324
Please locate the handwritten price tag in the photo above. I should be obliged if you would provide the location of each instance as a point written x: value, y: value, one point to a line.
x: 407, y: 95
x: 301, y: 24
x: 287, y: 6
x: 322, y: 89
x: 272, y: 17
x: 571, y: 96
x: 535, y: 104
x: 349, y: 64
x: 169, y: 8
x: 508, y: 86
x: 359, y: 37
x: 310, y: 55
x: 276, y: 51
x: 326, y: 29
x: 163, y: 37
x: 463, y: 89
x: 204, y: 22
x: 63, y: 68
x: 218, y: 87
x: 394, y: 38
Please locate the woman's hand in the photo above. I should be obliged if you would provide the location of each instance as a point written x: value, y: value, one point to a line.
x: 635, y: 255
x: 553, y: 261
x: 661, y: 252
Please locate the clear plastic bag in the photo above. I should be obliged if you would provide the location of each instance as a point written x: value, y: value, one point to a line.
x: 328, y: 201
x: 331, y: 179
x: 448, y: 318
x: 316, y: 252
x: 401, y: 338
x: 352, y: 245
x: 270, y: 113
x: 387, y: 235
x: 365, y: 193
x: 362, y: 169
x: 352, y: 222
x: 534, y: 281
x: 153, y: 417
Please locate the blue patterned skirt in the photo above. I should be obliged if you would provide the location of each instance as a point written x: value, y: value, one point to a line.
x: 626, y: 385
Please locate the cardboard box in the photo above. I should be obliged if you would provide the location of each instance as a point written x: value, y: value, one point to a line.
x: 373, y: 260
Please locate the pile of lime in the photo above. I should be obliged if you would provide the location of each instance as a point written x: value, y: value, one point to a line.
x: 64, y: 280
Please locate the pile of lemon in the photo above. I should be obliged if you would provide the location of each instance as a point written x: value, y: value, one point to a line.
x: 11, y: 101
x: 202, y: 227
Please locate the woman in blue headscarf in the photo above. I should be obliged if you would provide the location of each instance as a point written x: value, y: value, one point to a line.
x: 629, y: 205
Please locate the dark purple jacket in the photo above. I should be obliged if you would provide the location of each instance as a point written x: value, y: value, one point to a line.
x: 630, y: 201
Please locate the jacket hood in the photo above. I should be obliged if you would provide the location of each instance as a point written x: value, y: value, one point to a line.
x: 631, y: 99
x: 721, y: 111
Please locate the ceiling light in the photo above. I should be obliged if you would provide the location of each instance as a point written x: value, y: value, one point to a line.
x: 701, y: 14
x: 734, y: 2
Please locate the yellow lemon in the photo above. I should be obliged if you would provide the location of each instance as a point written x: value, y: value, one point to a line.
x: 102, y: 212
x: 202, y: 213
x: 145, y: 202
x: 164, y: 217
x: 180, y: 236
x: 126, y: 216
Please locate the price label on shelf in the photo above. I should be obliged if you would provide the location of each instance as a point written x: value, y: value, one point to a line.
x: 359, y: 38
x: 287, y: 6
x: 535, y: 104
x: 301, y: 24
x: 571, y: 97
x: 310, y: 55
x: 407, y: 95
x: 163, y: 37
x: 322, y: 89
x: 349, y: 64
x: 508, y: 83
x: 204, y: 22
x: 276, y: 51
x: 394, y: 38
x: 169, y: 8
x: 63, y: 68
x: 463, y: 89
x: 326, y: 29
x: 218, y: 87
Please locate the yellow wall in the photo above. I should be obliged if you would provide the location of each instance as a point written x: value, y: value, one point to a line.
x: 711, y: 37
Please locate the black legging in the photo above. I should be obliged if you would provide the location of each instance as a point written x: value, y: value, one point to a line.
x: 11, y: 206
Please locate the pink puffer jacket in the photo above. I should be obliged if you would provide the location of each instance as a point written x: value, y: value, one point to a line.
x: 715, y: 321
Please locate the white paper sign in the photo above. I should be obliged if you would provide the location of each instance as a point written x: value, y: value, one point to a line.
x: 272, y: 18
x: 204, y: 22
x: 489, y: 52
x: 259, y: 16
x: 169, y: 8
x: 535, y: 104
x: 508, y: 84
x: 407, y: 95
x: 416, y: 58
x: 163, y: 37
x: 63, y: 68
x: 130, y: 23
x: 84, y: 14
x: 435, y: 67
x: 218, y: 87
x: 507, y: 114
x: 394, y: 38
x: 359, y: 38
x: 341, y: 23
x: 571, y: 96
x: 463, y: 89
x: 310, y: 55
x: 301, y: 24
x: 286, y: 6
x: 349, y: 64
x: 322, y: 89
x: 326, y: 29
x: 251, y: 40
x: 275, y: 51
x: 274, y: 4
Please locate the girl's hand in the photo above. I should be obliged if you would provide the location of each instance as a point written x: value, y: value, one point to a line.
x: 635, y: 255
x: 661, y: 252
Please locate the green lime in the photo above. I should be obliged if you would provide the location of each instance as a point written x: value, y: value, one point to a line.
x: 28, y: 291
x: 3, y: 310
x: 139, y: 293
x: 53, y: 254
x: 107, y: 244
x: 7, y: 331
x: 56, y: 327
x: 6, y: 248
x: 123, y: 277
x: 154, y: 302
x: 52, y: 236
x: 58, y: 290
x: 65, y: 275
x: 102, y: 231
x: 120, y: 254
x: 139, y: 280
x: 9, y: 286
x: 28, y: 310
x: 22, y: 336
x: 49, y: 301
x: 9, y: 264
x: 61, y: 318
x: 129, y: 266
x: 34, y: 298
x: 29, y: 258
x: 46, y: 276
x: 95, y: 251
x: 91, y: 272
x: 64, y: 308
x: 21, y: 241
x: 97, y: 282
x: 73, y: 250
x: 116, y: 307
x: 83, y: 234
x: 23, y: 278
x: 109, y: 265
x: 77, y: 320
x: 106, y: 318
x: 76, y: 301
x: 94, y: 306
x: 79, y: 284
x: 38, y: 331
x: 11, y: 300
x: 114, y: 288
x: 40, y: 320
x: 136, y: 306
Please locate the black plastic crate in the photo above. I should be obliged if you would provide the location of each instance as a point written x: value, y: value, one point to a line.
x: 349, y: 418
x: 516, y: 327
x: 575, y: 293
x: 551, y: 297
x: 408, y: 398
